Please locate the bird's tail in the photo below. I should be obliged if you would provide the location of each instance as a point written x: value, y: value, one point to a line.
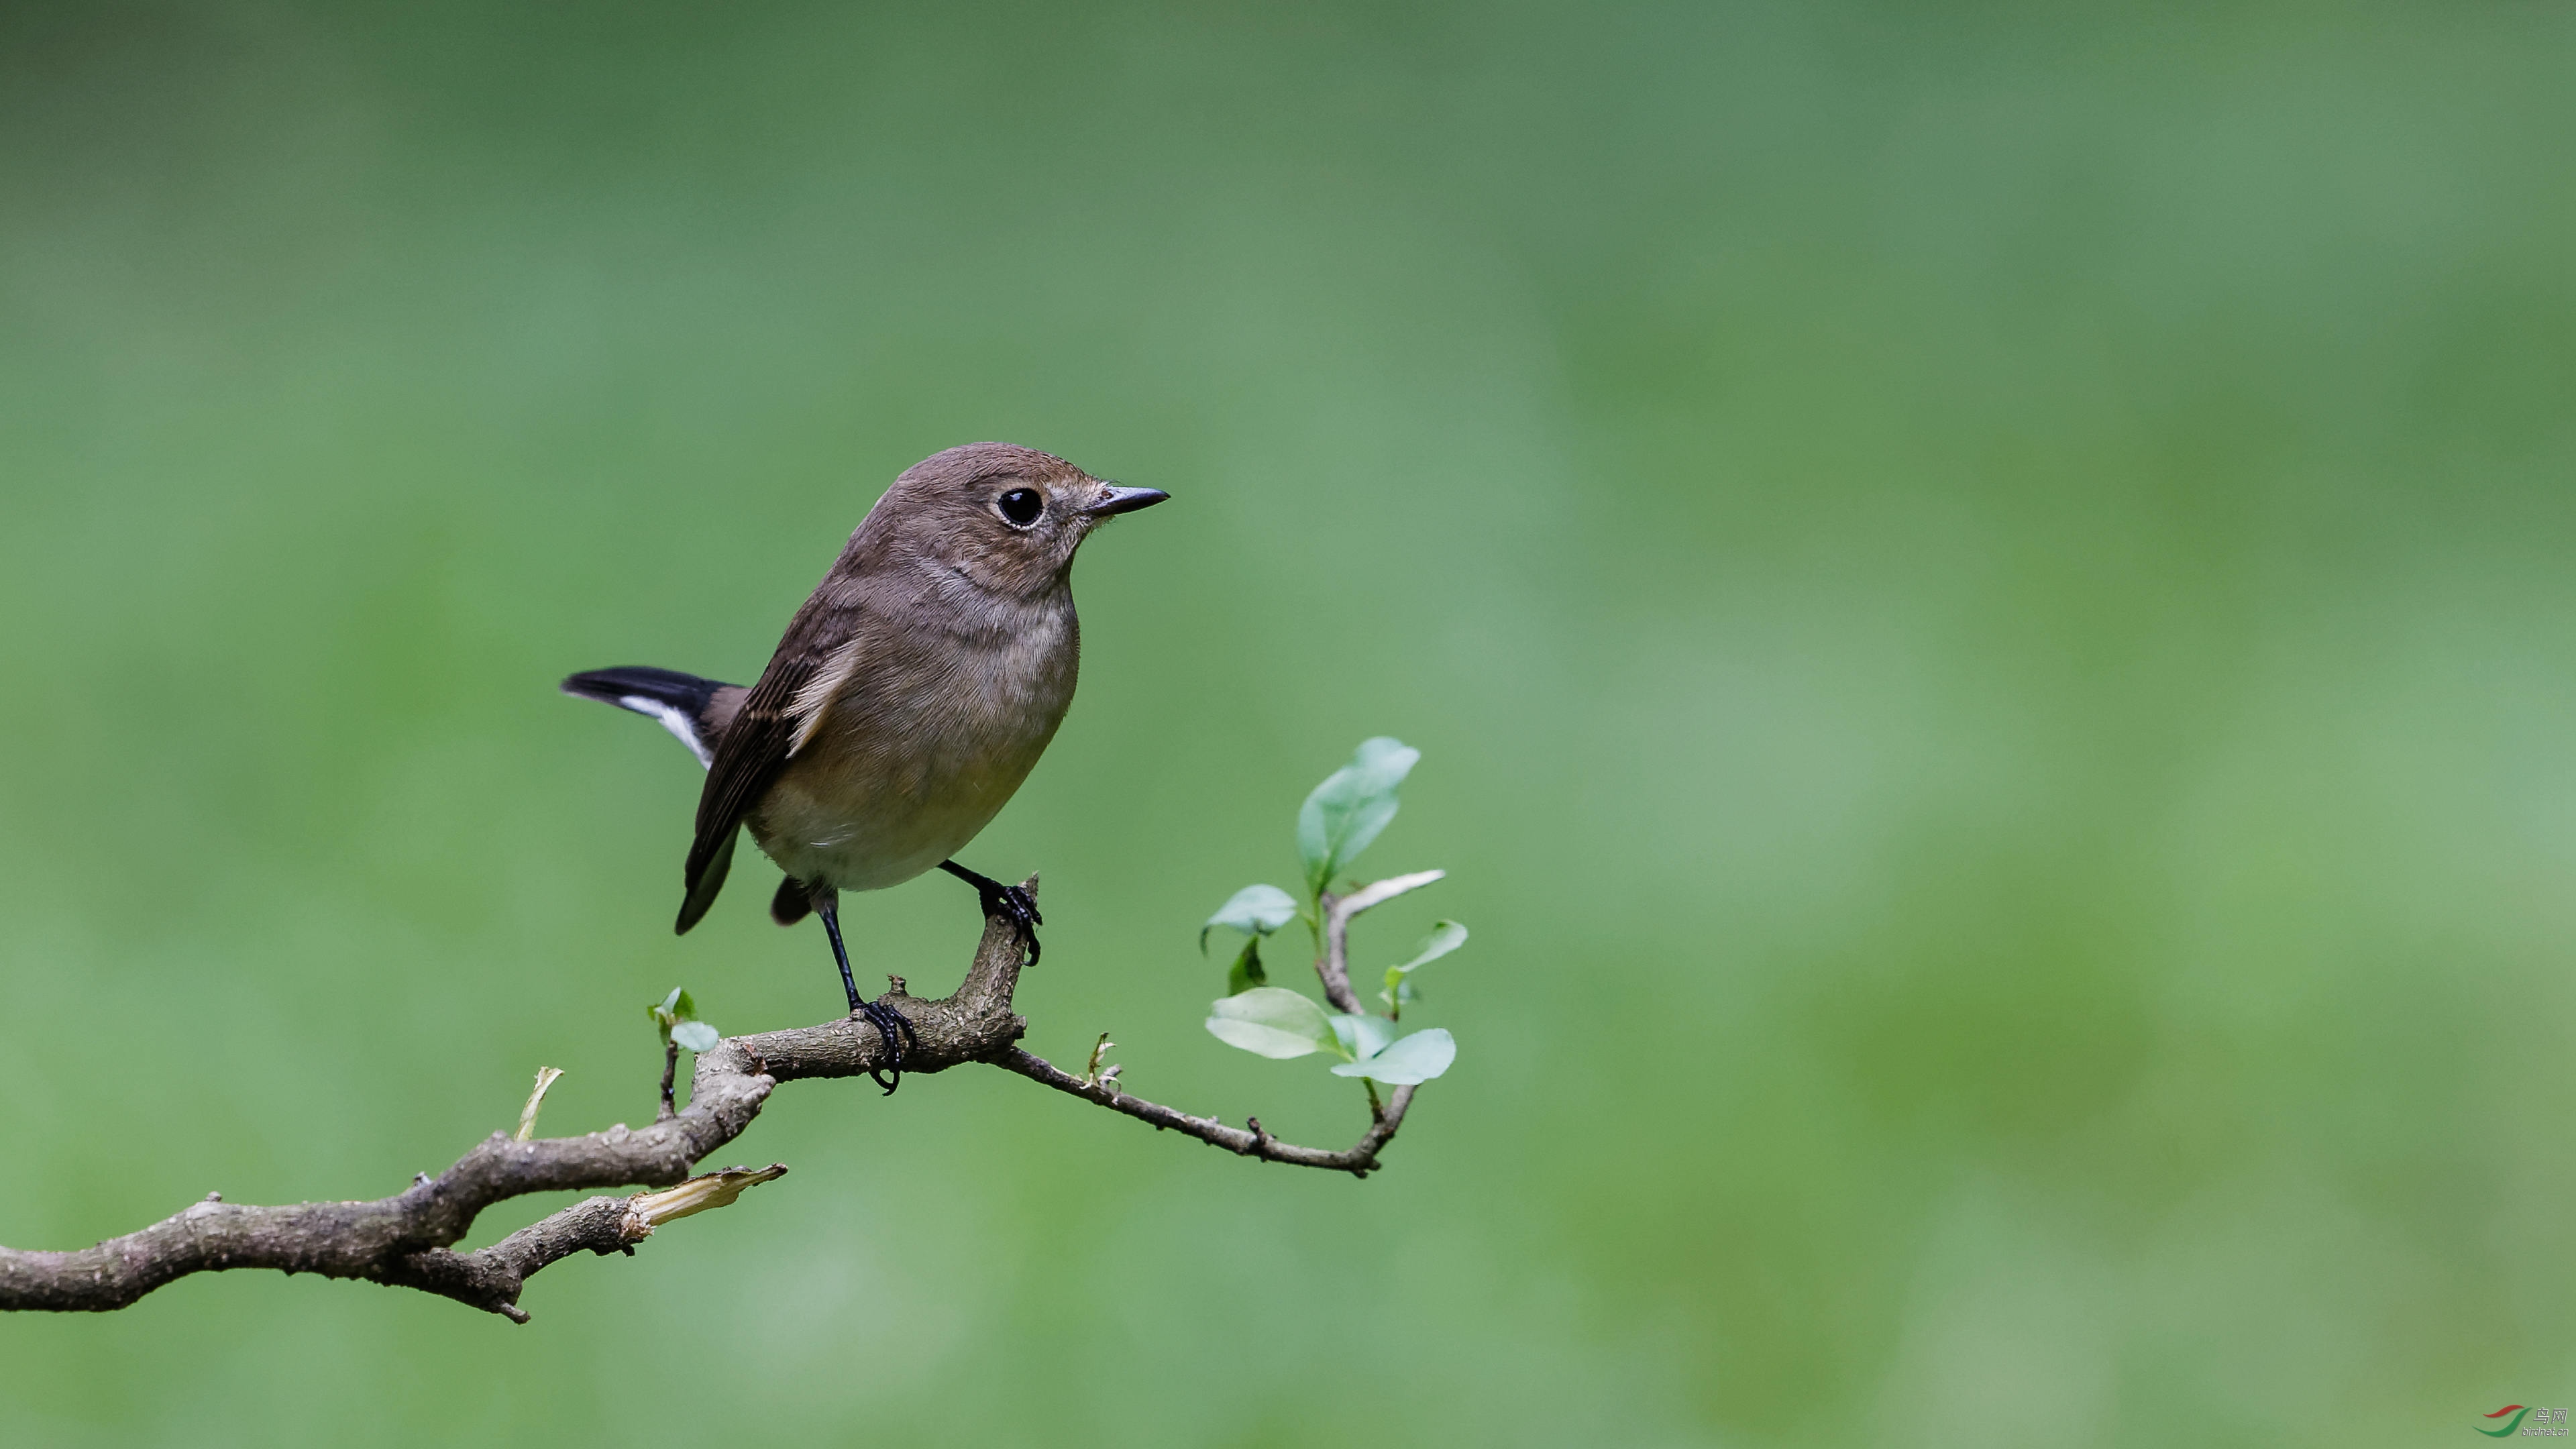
x: 683, y: 703
x: 702, y: 891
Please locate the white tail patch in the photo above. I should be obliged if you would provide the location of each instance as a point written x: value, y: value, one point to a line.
x: 682, y: 728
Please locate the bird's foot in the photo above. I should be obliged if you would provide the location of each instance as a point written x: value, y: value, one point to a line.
x: 1011, y: 903
x: 1019, y: 907
x: 897, y: 1031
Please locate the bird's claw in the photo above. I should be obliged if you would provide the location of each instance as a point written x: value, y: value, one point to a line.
x: 1020, y: 909
x: 896, y: 1030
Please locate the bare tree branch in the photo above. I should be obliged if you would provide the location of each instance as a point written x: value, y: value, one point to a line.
x: 406, y: 1240
x: 1359, y: 1159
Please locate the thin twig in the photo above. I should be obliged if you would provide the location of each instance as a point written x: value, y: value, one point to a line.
x: 1359, y: 1159
x: 536, y: 1102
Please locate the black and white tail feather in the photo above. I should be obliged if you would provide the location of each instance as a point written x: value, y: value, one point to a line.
x: 679, y: 702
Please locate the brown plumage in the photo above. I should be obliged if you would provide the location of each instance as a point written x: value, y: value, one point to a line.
x: 910, y: 695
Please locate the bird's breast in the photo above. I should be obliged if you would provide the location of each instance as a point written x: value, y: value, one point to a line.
x: 932, y: 734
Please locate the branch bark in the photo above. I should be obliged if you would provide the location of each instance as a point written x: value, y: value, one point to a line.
x: 406, y: 1240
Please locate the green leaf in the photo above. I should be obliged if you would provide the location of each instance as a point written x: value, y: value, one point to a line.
x: 1362, y: 1036
x: 1353, y: 804
x: 671, y: 1003
x: 1255, y: 910
x: 1417, y: 1058
x: 1247, y: 972
x: 697, y: 1036
x: 1270, y: 1021
x: 683, y: 1007
x: 1400, y: 991
x: 1445, y: 937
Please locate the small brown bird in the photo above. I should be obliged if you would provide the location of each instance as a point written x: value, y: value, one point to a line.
x: 910, y: 697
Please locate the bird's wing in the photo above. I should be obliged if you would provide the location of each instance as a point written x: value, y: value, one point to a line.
x: 817, y: 656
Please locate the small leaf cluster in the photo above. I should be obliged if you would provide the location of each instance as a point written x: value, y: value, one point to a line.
x: 1256, y: 911
x: 676, y: 1018
x: 1341, y: 817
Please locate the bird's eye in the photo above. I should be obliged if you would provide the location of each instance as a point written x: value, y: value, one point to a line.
x: 1021, y: 506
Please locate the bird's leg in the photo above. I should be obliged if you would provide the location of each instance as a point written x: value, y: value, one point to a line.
x: 890, y: 1023
x: 831, y: 915
x: 1003, y: 900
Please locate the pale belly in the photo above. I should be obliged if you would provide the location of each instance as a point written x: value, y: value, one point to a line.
x: 899, y: 779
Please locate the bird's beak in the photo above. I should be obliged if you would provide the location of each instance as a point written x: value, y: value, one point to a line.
x: 1114, y: 499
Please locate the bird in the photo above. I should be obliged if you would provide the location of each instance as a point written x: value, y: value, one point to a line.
x: 909, y: 698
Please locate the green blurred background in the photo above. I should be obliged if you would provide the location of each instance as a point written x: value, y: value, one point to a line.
x: 1985, y: 590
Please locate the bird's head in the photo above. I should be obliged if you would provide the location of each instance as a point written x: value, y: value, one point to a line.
x: 1008, y: 518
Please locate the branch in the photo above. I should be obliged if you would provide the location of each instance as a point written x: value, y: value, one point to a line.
x: 406, y: 1240
x: 1359, y: 1159
x: 1334, y: 965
